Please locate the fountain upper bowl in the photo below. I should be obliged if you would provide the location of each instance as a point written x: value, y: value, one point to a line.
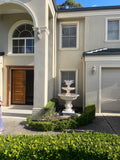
x: 69, y: 96
x: 68, y: 88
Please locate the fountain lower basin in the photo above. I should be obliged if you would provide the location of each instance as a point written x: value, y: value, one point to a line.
x: 68, y: 98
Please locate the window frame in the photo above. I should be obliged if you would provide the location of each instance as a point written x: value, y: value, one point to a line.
x: 106, y: 25
x: 77, y: 34
x: 10, y: 38
x: 76, y: 77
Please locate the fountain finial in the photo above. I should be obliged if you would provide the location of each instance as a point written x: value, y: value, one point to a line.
x: 69, y: 82
x: 68, y: 88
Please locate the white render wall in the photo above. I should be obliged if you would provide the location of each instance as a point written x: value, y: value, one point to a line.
x: 95, y: 32
x: 71, y: 59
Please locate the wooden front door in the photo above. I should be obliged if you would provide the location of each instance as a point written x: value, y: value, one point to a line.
x: 18, y: 86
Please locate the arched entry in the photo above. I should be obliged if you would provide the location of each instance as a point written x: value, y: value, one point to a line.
x: 27, y: 8
x: 10, y: 10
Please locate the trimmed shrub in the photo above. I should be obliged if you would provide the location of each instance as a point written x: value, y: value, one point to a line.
x: 65, y: 146
x: 40, y: 126
x: 60, y: 125
x: 47, y: 112
x: 87, y: 116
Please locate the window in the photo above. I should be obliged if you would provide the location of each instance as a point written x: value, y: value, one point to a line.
x: 68, y: 75
x: 113, y: 30
x: 23, y: 40
x: 68, y: 35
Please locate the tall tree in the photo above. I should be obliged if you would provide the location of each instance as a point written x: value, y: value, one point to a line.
x: 69, y: 4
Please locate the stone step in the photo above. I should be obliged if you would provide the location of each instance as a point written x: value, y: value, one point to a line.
x: 16, y: 112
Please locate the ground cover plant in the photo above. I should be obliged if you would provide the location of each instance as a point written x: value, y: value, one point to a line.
x: 59, y: 125
x: 64, y: 146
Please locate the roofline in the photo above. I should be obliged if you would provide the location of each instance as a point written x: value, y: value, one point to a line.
x: 84, y: 8
x: 102, y: 51
x: 88, y: 8
x: 55, y: 5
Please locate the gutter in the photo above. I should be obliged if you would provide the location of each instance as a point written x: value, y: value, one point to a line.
x: 88, y: 9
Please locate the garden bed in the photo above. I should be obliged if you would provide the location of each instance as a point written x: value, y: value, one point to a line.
x: 59, y: 125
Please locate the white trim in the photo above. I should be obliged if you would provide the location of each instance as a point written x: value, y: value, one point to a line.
x: 106, y: 28
x: 84, y: 82
x: 77, y: 35
x: 30, y: 11
x: 12, y: 29
x: 102, y: 58
x: 51, y: 6
x: 17, y: 55
x: 68, y: 70
x: 80, y: 14
x: 100, y: 87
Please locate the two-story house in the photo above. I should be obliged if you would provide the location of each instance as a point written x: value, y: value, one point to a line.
x: 41, y: 46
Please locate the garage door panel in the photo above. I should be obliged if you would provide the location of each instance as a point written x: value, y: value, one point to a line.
x: 110, y: 90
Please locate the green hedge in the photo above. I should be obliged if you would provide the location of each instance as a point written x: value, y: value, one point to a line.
x: 65, y: 146
x: 86, y: 118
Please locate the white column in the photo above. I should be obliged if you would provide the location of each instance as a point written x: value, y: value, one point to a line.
x: 41, y: 69
x: 1, y: 77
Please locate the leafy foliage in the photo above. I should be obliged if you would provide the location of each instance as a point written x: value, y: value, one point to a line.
x: 47, y: 112
x: 86, y: 118
x: 75, y: 146
x: 69, y: 4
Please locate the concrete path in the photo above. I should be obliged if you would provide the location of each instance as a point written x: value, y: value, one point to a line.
x: 14, y: 120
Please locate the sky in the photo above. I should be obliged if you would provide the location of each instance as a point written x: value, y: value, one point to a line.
x: 94, y: 3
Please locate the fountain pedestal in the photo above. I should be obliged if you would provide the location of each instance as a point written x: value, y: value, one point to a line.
x: 68, y: 108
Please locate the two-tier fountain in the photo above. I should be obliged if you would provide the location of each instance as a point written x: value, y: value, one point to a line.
x: 68, y: 97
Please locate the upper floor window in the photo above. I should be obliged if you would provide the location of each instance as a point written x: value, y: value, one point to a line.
x: 69, y: 36
x: 113, y: 30
x: 23, y: 40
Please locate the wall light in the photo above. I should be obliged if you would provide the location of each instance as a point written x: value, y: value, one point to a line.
x: 94, y: 69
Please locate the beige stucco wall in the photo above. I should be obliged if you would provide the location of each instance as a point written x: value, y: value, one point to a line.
x: 95, y: 32
x: 71, y: 59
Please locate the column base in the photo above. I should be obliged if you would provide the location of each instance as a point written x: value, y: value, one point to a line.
x: 68, y: 112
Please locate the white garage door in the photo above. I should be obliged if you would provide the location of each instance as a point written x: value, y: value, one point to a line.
x: 110, y: 90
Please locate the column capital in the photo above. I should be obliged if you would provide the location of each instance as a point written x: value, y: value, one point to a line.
x: 39, y: 31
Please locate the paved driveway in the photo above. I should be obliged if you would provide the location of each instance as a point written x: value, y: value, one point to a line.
x: 106, y: 123
x: 14, y: 120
